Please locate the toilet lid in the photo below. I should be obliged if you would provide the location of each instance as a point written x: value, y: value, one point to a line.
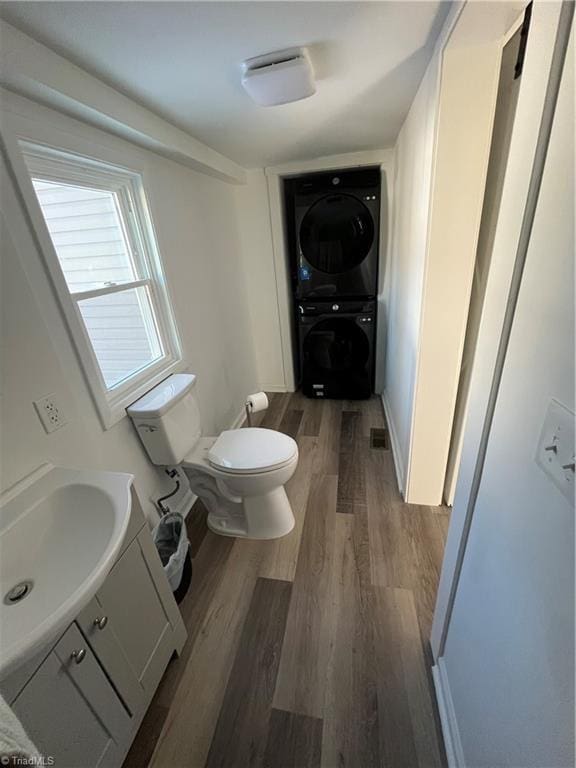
x: 251, y: 450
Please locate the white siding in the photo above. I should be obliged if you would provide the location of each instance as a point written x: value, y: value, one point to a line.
x: 87, y: 234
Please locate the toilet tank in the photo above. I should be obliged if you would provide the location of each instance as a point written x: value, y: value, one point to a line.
x: 168, y: 420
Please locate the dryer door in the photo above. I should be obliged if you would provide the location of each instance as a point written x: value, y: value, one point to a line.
x: 336, y: 234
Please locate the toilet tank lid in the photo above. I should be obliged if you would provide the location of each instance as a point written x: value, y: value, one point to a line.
x: 163, y: 396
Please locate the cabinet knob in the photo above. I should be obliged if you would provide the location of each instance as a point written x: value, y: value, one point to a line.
x: 78, y: 656
x: 101, y: 622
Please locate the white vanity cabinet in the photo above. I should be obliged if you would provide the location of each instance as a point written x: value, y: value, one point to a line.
x: 82, y: 700
x: 129, y: 625
x: 70, y: 709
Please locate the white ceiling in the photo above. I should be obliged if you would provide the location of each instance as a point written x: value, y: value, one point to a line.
x: 182, y: 61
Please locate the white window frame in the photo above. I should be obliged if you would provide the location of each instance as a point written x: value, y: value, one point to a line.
x: 57, y: 165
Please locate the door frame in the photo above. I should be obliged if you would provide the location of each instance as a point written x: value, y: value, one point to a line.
x: 275, y: 176
x: 456, y: 438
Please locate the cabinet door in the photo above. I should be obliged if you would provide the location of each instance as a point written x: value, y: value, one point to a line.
x: 99, y: 631
x: 70, y: 710
x: 137, y: 619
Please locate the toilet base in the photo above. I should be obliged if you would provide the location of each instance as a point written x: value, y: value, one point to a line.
x: 267, y: 516
x: 222, y: 527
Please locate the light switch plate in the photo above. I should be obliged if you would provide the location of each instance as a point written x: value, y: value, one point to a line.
x: 555, y: 452
x: 50, y: 413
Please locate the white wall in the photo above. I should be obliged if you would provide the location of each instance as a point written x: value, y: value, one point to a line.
x: 196, y: 222
x: 405, y: 264
x: 260, y: 277
x: 509, y: 655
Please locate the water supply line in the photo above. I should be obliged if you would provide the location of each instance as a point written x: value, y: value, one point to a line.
x: 163, y: 508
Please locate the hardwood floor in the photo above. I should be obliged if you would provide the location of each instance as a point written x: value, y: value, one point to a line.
x: 310, y: 651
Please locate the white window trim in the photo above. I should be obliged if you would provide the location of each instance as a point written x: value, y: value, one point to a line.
x: 48, y: 162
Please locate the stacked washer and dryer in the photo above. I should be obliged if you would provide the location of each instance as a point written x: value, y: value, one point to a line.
x: 334, y: 219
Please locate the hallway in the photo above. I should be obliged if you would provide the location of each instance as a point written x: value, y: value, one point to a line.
x: 311, y: 650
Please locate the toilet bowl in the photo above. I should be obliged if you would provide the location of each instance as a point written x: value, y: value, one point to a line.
x: 239, y: 475
x: 244, y: 493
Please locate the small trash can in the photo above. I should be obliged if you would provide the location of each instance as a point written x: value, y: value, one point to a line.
x: 172, y: 543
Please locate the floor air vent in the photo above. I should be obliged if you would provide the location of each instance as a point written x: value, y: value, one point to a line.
x: 379, y: 439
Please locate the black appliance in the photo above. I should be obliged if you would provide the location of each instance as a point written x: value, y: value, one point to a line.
x: 334, y: 224
x: 336, y: 341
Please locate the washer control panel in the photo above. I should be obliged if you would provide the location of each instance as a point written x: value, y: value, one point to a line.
x: 362, y: 309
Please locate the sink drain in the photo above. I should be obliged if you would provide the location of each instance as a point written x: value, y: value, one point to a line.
x: 18, y: 592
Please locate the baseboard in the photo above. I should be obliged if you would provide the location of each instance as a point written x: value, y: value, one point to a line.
x: 450, y: 732
x: 396, y: 455
x: 273, y: 387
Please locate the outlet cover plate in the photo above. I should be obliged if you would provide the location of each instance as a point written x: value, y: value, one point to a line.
x: 50, y: 413
x: 555, y: 452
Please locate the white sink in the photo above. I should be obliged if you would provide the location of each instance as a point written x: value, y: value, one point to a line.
x: 60, y: 532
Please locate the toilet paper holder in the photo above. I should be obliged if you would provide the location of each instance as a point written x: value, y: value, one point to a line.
x: 255, y: 403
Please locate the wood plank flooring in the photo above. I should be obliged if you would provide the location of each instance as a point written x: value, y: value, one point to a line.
x: 241, y: 732
x: 310, y: 651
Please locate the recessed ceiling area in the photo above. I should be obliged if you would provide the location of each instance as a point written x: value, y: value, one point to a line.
x: 182, y: 60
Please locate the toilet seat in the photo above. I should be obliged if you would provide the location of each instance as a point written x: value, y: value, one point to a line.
x: 251, y: 451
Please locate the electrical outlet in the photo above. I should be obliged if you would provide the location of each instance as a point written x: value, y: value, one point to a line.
x: 50, y: 413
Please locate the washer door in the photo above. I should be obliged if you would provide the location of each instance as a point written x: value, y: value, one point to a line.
x: 336, y: 233
x: 337, y: 346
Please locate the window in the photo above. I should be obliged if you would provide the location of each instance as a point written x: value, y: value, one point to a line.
x: 105, y: 264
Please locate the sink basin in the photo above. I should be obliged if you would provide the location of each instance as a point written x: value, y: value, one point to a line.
x: 60, y: 532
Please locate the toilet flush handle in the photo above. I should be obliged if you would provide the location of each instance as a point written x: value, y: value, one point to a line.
x: 223, y: 488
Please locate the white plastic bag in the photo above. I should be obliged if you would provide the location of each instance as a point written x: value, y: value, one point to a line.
x: 171, y: 539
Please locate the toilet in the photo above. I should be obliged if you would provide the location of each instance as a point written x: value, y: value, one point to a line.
x: 239, y: 475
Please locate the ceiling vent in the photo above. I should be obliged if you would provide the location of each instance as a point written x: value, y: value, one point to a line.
x: 280, y: 77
